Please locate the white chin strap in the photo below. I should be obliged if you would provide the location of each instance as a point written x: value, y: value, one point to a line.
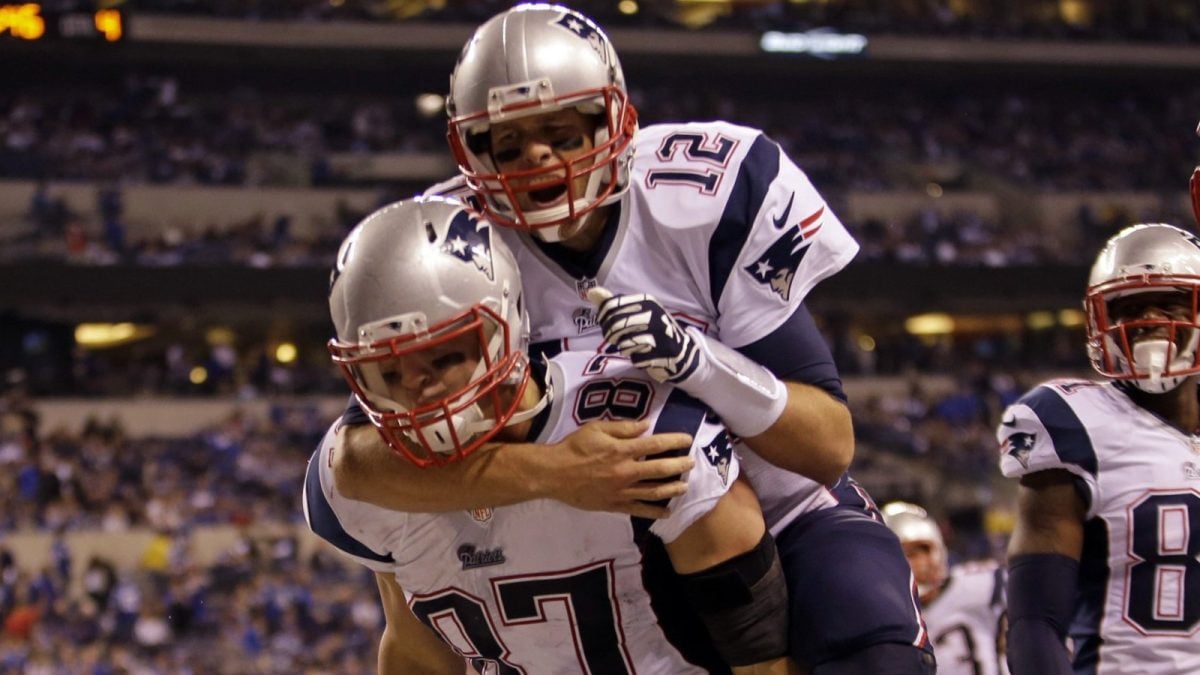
x: 563, y: 232
x: 1152, y: 358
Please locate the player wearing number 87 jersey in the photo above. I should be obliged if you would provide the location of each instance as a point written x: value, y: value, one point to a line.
x: 1108, y: 531
x: 429, y: 313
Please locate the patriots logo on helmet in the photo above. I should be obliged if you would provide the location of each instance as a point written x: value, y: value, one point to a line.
x: 1020, y: 446
x: 585, y: 30
x: 777, y: 266
x: 470, y: 240
x: 719, y: 454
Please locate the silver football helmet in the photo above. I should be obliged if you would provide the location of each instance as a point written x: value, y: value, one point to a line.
x: 912, y: 524
x: 529, y: 60
x: 1154, y: 351
x: 431, y: 331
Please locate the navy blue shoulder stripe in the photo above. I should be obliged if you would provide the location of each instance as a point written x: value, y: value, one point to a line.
x: 1071, y: 440
x: 682, y: 413
x: 755, y: 175
x: 354, y: 413
x: 323, y: 521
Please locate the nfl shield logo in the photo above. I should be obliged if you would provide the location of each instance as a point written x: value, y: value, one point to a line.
x: 582, y: 286
x: 481, y: 515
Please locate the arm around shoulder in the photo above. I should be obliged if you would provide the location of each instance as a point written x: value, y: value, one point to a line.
x: 366, y: 469
x: 600, y: 467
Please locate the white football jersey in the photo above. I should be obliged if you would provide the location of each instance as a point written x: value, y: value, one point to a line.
x: 539, y: 587
x: 726, y: 232
x: 1138, y: 606
x: 718, y: 224
x: 964, y: 621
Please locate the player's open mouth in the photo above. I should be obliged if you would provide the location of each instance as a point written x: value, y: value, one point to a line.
x: 548, y: 196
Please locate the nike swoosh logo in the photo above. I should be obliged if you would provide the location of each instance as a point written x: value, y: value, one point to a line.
x: 1010, y: 422
x: 781, y: 221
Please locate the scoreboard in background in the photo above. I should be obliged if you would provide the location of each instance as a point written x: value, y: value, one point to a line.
x: 31, y: 22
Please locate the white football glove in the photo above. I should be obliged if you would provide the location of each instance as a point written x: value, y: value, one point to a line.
x: 645, y: 333
x: 746, y: 396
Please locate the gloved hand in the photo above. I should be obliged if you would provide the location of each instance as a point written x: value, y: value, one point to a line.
x: 646, y: 333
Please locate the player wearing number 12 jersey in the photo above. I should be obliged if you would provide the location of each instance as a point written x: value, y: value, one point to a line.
x: 1108, y: 533
x: 690, y: 249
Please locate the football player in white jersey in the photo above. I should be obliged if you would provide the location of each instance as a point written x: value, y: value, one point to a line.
x: 1106, y: 548
x: 963, y: 605
x: 698, y: 244
x: 431, y: 337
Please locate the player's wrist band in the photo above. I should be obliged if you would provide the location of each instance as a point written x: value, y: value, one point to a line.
x: 745, y: 395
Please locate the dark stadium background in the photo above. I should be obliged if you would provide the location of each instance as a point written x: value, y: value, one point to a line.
x: 177, y: 175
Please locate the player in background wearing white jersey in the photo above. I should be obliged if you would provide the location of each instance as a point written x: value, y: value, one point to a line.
x: 1107, y: 538
x: 431, y: 336
x: 963, y: 605
x: 707, y: 226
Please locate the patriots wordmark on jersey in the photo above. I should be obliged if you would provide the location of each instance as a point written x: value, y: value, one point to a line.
x: 1138, y: 606
x: 539, y: 587
x: 965, y: 621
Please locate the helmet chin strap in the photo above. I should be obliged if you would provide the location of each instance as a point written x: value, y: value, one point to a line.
x: 563, y: 232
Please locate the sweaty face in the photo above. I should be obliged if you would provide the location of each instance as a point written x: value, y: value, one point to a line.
x: 548, y: 144
x: 423, y: 377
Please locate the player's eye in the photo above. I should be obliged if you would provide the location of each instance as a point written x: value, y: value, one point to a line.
x: 567, y: 144
x: 506, y: 155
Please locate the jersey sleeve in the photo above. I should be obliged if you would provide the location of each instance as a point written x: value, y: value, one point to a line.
x: 716, y: 466
x: 777, y: 239
x: 340, y: 521
x: 1043, y: 431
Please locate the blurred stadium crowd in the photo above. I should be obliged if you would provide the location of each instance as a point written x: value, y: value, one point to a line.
x: 153, y: 129
x: 1148, y: 20
x: 270, y: 603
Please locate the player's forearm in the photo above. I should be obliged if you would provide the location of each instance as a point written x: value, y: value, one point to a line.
x: 367, y: 470
x: 814, y: 436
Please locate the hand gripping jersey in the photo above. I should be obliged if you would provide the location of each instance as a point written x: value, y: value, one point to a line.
x: 539, y: 587
x: 964, y: 621
x: 1138, y: 606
